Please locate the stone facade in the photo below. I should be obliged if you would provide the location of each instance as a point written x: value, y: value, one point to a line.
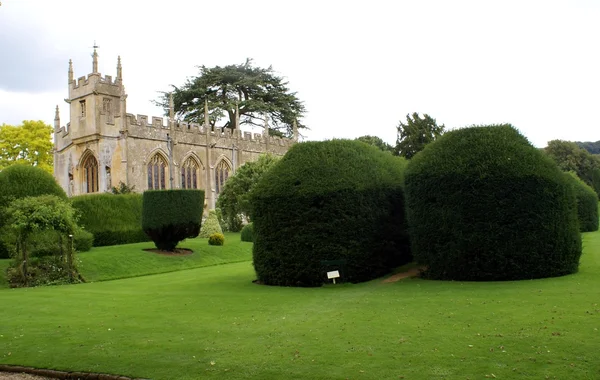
x: 103, y: 145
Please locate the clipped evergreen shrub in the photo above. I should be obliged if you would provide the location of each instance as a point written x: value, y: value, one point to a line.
x: 337, y: 201
x: 83, y: 240
x: 169, y: 216
x: 112, y: 219
x: 211, y: 225
x: 483, y: 204
x: 19, y: 181
x: 248, y: 232
x: 587, y: 203
x: 216, y: 239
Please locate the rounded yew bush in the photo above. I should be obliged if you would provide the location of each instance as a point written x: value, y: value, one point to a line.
x: 587, y: 203
x: 483, y: 204
x: 21, y: 180
x: 169, y: 216
x: 325, y: 202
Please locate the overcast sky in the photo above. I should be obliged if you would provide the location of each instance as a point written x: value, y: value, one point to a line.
x: 359, y: 66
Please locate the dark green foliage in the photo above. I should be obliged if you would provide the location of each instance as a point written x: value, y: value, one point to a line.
x: 376, y: 142
x: 483, y: 204
x: 112, y: 219
x: 234, y: 199
x: 83, y: 240
x: 248, y: 232
x: 413, y: 136
x: 587, y: 203
x: 216, y: 239
x: 570, y: 157
x: 23, y: 180
x: 329, y: 200
x: 122, y: 188
x: 20, y: 180
x: 169, y: 216
x: 592, y: 147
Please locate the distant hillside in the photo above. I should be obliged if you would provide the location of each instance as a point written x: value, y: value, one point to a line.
x: 592, y: 147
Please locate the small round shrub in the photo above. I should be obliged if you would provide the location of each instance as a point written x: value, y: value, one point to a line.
x: 248, y: 232
x: 169, y: 216
x: 324, y: 202
x: 211, y: 225
x: 216, y: 239
x: 587, y: 203
x: 82, y: 240
x: 483, y: 204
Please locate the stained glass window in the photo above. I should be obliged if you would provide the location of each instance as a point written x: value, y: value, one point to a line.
x: 157, y: 171
x: 221, y: 175
x: 189, y: 174
x: 90, y: 174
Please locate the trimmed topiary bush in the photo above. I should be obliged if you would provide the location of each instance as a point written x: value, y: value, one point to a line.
x: 216, y: 239
x: 169, y: 216
x: 587, y: 203
x: 19, y: 181
x: 211, y: 225
x: 83, y: 240
x: 327, y: 205
x: 112, y: 219
x: 248, y: 233
x: 483, y: 204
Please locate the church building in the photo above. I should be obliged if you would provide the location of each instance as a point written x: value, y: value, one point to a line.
x: 103, y: 145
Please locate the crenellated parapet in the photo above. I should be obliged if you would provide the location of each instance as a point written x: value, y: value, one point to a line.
x: 143, y: 126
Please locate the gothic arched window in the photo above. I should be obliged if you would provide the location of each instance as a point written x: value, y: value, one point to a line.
x: 189, y: 174
x: 90, y: 174
x: 157, y: 172
x: 221, y: 174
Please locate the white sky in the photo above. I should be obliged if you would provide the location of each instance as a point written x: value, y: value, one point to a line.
x: 359, y: 66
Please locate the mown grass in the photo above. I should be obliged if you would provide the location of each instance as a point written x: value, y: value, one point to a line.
x: 213, y: 322
x: 130, y: 260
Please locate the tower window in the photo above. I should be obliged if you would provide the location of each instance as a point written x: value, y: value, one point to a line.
x: 157, y: 167
x: 82, y: 108
x: 107, y: 109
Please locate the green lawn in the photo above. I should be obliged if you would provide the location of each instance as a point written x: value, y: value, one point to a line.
x: 213, y: 322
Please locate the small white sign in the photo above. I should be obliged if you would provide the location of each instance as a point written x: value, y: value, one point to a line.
x: 333, y: 274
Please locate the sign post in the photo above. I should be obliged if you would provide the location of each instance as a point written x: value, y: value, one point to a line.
x: 333, y: 275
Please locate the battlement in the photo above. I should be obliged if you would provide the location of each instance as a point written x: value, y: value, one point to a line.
x: 139, y: 125
x: 84, y: 81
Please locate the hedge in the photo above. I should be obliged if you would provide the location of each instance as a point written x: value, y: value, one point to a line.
x: 484, y: 204
x: 169, y: 216
x: 334, y: 204
x: 587, y: 203
x: 19, y: 181
x: 247, y: 233
x: 211, y: 225
x: 112, y: 219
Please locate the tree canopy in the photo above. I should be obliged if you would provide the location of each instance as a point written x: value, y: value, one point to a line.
x: 416, y: 133
x: 376, y: 142
x: 592, y: 147
x: 570, y: 157
x: 237, y: 90
x: 234, y: 200
x: 30, y: 143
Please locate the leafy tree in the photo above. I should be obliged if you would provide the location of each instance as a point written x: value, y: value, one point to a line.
x: 29, y: 215
x: 570, y: 157
x: 253, y: 92
x: 234, y: 200
x: 592, y: 147
x: 376, y: 142
x: 30, y: 142
x: 416, y: 133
